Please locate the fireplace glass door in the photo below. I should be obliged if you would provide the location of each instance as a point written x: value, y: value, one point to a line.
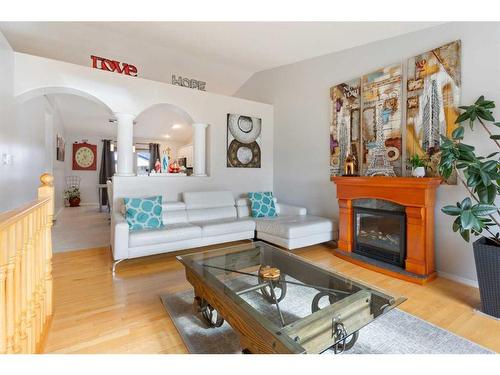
x: 380, y: 234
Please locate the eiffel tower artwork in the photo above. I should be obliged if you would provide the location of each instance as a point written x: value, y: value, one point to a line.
x: 378, y: 163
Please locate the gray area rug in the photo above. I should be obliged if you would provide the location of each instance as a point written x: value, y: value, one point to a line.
x: 397, y: 332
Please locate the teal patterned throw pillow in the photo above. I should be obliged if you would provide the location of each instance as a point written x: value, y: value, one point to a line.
x: 262, y: 204
x: 143, y: 213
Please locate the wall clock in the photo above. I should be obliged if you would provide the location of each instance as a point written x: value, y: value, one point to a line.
x: 84, y: 156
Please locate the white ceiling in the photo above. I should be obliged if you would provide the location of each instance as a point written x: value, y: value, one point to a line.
x: 83, y: 117
x: 224, y: 54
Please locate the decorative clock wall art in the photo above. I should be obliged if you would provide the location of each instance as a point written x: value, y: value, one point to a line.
x: 243, y: 141
x: 84, y: 156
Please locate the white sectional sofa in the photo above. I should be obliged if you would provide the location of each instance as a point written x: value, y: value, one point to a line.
x: 206, y: 218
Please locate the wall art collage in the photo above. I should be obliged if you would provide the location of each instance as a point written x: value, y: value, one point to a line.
x: 367, y: 114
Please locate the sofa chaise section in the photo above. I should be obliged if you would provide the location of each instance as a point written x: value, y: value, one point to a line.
x: 292, y: 228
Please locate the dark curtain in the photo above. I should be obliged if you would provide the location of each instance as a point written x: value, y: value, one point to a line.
x: 154, y: 153
x: 107, y: 167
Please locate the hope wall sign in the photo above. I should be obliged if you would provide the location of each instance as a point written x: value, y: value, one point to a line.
x: 113, y: 66
x: 187, y: 82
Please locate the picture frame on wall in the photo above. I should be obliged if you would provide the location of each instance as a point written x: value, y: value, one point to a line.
x: 60, y: 148
x: 244, y: 141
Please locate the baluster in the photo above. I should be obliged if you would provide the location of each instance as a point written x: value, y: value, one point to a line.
x: 3, y: 300
x: 36, y: 290
x: 23, y: 296
x: 29, y: 286
x: 10, y: 297
x: 17, y: 286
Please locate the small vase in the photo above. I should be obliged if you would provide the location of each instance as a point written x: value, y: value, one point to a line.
x: 418, y: 172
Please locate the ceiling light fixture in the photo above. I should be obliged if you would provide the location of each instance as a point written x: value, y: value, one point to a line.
x: 167, y: 136
x: 176, y: 126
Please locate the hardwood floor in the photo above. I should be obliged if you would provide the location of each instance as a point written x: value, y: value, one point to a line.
x: 96, y: 313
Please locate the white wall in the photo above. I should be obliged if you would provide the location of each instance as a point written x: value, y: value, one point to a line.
x: 8, y: 197
x: 134, y: 95
x: 300, y: 95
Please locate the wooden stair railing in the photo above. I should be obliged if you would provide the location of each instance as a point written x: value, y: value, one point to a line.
x: 26, y: 272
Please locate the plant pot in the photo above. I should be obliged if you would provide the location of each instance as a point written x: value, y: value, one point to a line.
x: 74, y: 202
x: 487, y: 258
x: 418, y: 172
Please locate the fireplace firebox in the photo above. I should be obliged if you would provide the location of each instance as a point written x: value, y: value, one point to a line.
x: 380, y: 230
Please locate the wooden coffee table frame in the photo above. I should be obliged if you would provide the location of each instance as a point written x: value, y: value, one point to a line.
x: 312, y: 334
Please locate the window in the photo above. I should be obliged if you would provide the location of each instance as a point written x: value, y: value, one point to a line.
x: 142, y: 165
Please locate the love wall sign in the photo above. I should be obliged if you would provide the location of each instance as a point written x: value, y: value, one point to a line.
x: 113, y: 66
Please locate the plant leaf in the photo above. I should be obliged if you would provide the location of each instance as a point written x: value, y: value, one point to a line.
x: 451, y: 210
x: 495, y: 136
x: 458, y: 133
x: 486, y: 194
x: 466, y: 219
x: 482, y: 209
x: 465, y: 235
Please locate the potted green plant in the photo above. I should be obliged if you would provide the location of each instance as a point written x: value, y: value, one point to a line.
x: 477, y: 214
x: 72, y: 194
x: 417, y: 165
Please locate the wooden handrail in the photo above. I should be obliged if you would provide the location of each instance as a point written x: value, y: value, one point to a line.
x: 26, y: 272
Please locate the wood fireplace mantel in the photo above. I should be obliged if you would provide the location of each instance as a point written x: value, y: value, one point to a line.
x: 418, y: 197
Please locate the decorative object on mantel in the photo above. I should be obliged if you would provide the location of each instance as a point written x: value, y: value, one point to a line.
x: 433, y: 96
x: 243, y: 141
x: 350, y: 165
x: 84, y: 156
x: 378, y: 162
x: 165, y: 160
x: 481, y: 177
x: 157, y: 166
x: 174, y: 167
x: 417, y: 195
x: 417, y: 165
x: 381, y: 93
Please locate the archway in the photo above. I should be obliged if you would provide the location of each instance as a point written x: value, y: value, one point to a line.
x: 163, y: 132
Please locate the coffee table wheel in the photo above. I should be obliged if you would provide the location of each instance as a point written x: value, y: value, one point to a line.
x: 210, y: 315
x: 348, y: 344
x: 278, y: 284
x: 315, y: 302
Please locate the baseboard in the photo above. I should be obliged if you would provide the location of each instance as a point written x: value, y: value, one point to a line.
x: 458, y: 279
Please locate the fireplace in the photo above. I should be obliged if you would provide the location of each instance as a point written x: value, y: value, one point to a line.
x: 380, y: 230
x: 390, y: 219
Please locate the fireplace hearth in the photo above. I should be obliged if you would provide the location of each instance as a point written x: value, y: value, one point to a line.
x: 380, y: 230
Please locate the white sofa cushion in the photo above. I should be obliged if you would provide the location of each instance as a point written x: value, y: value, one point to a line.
x: 174, y: 212
x: 225, y: 226
x: 293, y: 226
x: 170, y: 233
x: 208, y: 199
x: 244, y: 210
x: 211, y: 214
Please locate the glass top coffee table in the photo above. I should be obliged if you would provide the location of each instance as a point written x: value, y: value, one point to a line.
x: 278, y: 302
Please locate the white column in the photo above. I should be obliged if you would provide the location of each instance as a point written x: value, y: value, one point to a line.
x: 199, y: 146
x: 125, y: 141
